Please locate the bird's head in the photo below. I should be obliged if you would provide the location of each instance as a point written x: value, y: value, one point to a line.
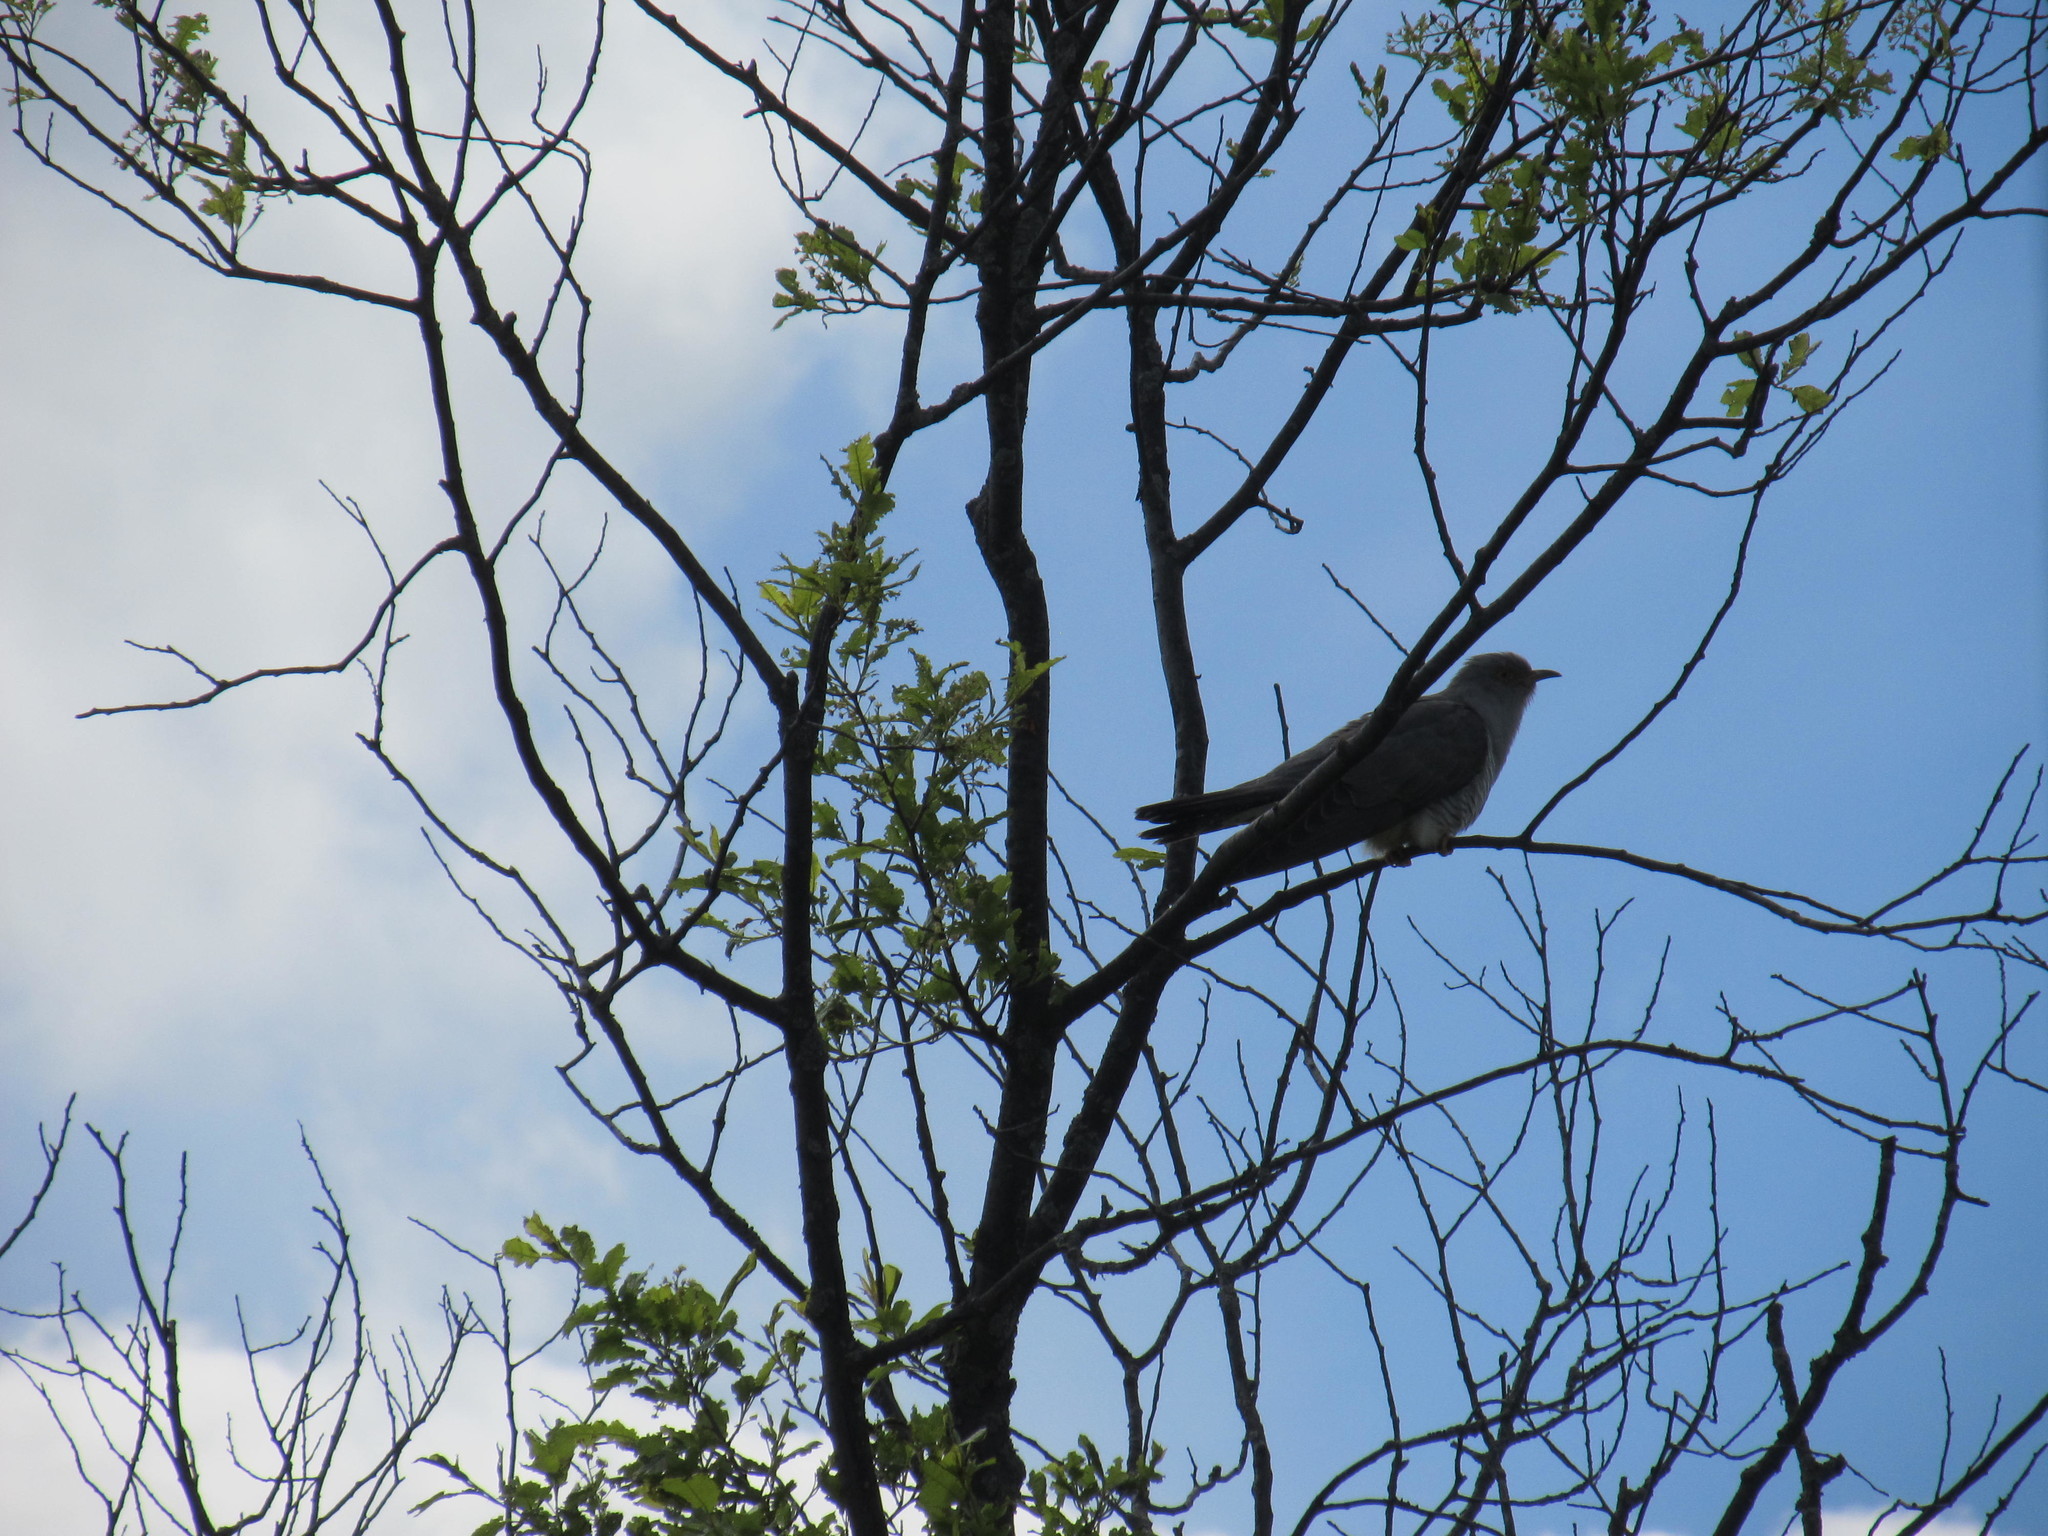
x: 1503, y: 670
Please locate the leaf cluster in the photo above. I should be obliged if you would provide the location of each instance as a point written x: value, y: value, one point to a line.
x: 1597, y: 88
x: 1264, y: 21
x: 720, y: 1457
x: 833, y: 275
x: 913, y: 909
x: 1767, y: 369
x: 964, y: 179
x: 718, y: 1450
x: 179, y: 127
x: 915, y: 914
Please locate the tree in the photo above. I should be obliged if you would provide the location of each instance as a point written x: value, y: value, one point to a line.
x: 1020, y: 1062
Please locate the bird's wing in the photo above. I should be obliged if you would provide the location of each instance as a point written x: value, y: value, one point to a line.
x: 1439, y: 746
x: 1190, y: 815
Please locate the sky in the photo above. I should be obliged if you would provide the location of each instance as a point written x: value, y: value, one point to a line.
x: 220, y: 929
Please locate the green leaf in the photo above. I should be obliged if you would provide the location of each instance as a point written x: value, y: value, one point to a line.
x: 1023, y: 678
x: 700, y: 1492
x: 747, y: 1267
x: 1098, y: 81
x: 1811, y: 398
x: 1142, y: 858
x: 1926, y: 147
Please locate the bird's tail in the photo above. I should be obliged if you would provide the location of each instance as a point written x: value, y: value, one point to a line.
x: 1187, y: 816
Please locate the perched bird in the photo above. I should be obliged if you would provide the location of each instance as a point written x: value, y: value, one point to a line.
x: 1419, y: 788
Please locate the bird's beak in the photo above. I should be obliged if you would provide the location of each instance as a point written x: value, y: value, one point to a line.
x: 1542, y: 672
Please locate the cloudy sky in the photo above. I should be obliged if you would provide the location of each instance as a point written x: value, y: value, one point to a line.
x: 218, y: 927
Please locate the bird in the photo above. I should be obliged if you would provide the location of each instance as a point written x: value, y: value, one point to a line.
x: 1420, y: 787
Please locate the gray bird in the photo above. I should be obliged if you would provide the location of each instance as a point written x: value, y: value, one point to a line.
x: 1419, y: 788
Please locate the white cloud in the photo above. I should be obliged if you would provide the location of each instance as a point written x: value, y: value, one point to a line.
x: 469, y: 1426
x: 221, y: 923
x: 1877, y: 1521
x: 1855, y: 1521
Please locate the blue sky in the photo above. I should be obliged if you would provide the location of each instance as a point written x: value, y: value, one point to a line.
x: 220, y: 926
